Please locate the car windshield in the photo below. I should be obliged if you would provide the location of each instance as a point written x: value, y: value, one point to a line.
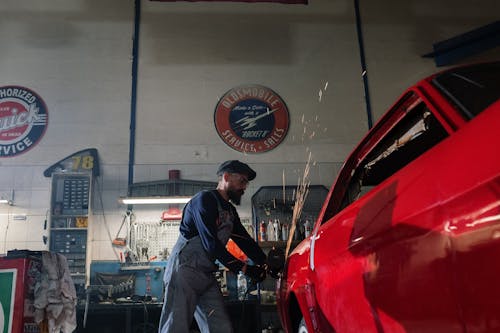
x: 472, y: 89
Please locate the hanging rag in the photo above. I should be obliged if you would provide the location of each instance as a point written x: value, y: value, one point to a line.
x: 55, y: 295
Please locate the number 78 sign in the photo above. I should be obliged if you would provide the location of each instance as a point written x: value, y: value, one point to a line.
x: 85, y: 160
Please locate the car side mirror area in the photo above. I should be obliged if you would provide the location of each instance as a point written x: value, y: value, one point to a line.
x: 275, y: 262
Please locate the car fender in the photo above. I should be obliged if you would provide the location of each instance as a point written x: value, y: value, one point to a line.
x: 301, y: 287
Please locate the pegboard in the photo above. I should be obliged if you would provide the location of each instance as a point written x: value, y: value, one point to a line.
x: 150, y: 239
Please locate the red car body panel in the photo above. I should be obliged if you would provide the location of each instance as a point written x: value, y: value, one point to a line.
x: 419, y: 251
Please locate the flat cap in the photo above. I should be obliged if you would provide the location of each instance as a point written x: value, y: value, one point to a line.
x: 235, y: 166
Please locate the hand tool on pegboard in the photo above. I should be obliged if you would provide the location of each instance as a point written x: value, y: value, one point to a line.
x: 122, y: 241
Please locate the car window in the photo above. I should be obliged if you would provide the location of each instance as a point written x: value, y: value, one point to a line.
x: 472, y: 88
x: 414, y: 134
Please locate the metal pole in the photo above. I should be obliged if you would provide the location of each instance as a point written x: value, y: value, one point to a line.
x: 133, y: 99
x: 364, y: 72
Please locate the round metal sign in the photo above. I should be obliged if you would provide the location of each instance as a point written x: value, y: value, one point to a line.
x: 251, y: 119
x: 23, y: 120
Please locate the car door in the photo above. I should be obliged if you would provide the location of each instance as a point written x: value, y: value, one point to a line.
x: 470, y: 190
x: 471, y: 202
x: 379, y: 260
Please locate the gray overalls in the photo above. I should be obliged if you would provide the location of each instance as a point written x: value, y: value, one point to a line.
x: 191, y: 287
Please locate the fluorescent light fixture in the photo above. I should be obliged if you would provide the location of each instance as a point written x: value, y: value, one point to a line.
x: 153, y: 200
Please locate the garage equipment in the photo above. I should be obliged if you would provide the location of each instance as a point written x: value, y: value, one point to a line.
x: 122, y: 241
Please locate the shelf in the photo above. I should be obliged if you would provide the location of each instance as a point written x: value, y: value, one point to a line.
x: 83, y: 229
x: 280, y: 244
x: 66, y: 216
x: 77, y: 274
x: 169, y: 187
x: 268, y: 307
x: 135, y: 266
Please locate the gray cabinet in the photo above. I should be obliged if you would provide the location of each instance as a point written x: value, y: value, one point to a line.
x: 69, y: 223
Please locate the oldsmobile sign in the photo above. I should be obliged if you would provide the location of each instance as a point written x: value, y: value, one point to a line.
x: 23, y: 120
x: 251, y: 119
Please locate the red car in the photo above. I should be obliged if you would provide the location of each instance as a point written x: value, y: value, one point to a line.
x: 408, y: 239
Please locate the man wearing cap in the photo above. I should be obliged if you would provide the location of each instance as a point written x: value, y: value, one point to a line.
x: 209, y: 220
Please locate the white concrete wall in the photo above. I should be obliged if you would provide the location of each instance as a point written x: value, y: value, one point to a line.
x: 77, y: 55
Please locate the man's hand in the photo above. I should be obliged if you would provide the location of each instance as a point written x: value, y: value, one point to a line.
x: 275, y: 273
x: 256, y: 273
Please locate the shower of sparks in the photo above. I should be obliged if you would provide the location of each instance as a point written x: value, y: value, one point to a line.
x: 284, y: 191
x: 299, y: 195
x: 300, y: 198
x: 320, y: 92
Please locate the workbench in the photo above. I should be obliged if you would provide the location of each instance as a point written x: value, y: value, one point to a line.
x: 144, y: 317
x: 119, y: 317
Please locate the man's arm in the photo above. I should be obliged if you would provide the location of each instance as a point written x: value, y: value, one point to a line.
x: 205, y: 214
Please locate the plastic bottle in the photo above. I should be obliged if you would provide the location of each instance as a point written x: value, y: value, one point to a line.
x: 277, y: 231
x: 307, y: 228
x: 263, y: 233
x: 284, y: 232
x: 241, y: 283
x: 270, y: 230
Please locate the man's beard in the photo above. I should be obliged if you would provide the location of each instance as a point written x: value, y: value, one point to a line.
x: 235, y: 196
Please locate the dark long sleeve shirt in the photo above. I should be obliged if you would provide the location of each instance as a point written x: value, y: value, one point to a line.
x: 200, y: 218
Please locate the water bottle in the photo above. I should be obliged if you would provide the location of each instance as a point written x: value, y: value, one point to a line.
x: 241, y: 284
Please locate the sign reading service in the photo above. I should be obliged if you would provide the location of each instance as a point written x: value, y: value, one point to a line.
x: 251, y: 119
x: 23, y: 120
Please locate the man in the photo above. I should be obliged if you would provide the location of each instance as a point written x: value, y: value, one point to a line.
x: 209, y: 220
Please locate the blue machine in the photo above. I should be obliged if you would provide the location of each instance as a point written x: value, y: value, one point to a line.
x: 148, y: 275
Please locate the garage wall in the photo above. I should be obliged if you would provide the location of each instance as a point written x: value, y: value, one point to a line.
x: 398, y: 33
x: 78, y: 56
